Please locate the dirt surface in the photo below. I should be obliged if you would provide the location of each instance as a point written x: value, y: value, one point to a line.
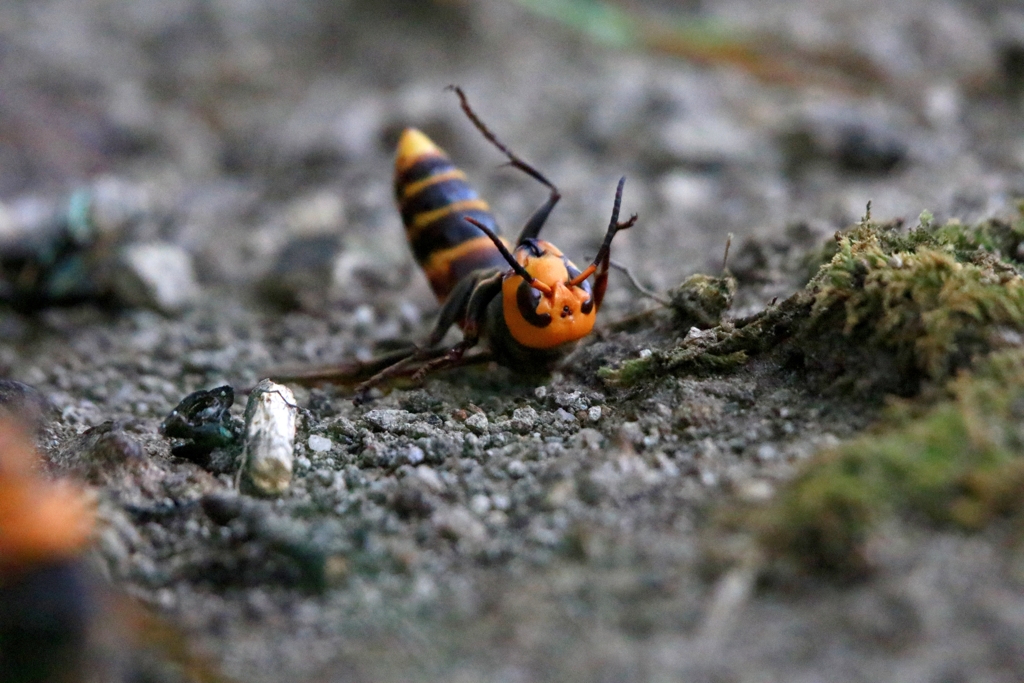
x: 481, y: 527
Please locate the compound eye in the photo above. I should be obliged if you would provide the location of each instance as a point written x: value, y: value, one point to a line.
x: 527, y: 300
x: 587, y: 306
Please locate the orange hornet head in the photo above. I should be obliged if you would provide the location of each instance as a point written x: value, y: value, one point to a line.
x: 546, y: 300
x: 542, y: 319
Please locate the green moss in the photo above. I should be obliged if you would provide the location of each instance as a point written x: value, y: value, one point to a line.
x: 959, y: 464
x: 892, y: 310
x: 889, y: 309
x: 913, y: 296
x: 942, y: 303
x: 815, y: 259
x: 699, y: 352
x: 692, y: 359
x: 701, y: 300
x: 720, y: 349
x: 995, y: 236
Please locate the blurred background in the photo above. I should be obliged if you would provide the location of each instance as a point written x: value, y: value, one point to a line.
x: 235, y: 129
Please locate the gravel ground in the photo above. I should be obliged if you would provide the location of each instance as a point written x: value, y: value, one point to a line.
x: 481, y: 527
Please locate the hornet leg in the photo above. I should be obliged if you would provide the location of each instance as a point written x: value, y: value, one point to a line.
x: 537, y: 220
x: 482, y: 294
x: 465, y: 303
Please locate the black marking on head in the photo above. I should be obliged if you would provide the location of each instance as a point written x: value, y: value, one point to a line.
x: 566, y: 311
x: 532, y: 248
x: 527, y: 299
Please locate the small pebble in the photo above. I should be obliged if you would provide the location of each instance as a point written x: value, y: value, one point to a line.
x: 645, y: 354
x: 630, y: 432
x: 766, y: 452
x: 669, y: 468
x: 270, y: 417
x: 563, y: 415
x: 686, y: 191
x: 342, y: 428
x: 571, y: 400
x: 523, y: 419
x: 708, y: 478
x: 414, y: 455
x: 516, y: 469
x: 695, y: 333
x: 588, y: 438
x: 855, y: 140
x: 388, y: 419
x: 477, y: 423
x: 696, y: 141
x: 459, y: 524
x: 301, y: 274
x: 156, y: 275
x: 410, y: 314
x: 221, y: 508
x: 594, y: 413
x: 561, y: 493
x: 480, y: 504
x: 428, y: 476
x: 541, y: 392
x: 317, y: 213
x: 363, y: 317
x: 104, y: 453
x: 319, y: 444
x: 755, y: 491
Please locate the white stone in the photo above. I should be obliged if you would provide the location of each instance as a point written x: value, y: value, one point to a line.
x: 270, y: 418
x: 480, y: 504
x: 156, y: 275
x: 477, y: 422
x: 319, y: 444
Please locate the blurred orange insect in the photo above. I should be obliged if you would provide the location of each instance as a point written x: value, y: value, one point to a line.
x: 58, y: 622
x: 45, y: 603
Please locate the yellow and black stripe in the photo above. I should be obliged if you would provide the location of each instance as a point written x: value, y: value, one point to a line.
x: 433, y: 197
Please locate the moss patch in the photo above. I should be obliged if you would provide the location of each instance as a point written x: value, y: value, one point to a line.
x: 918, y: 296
x: 698, y: 353
x: 939, y: 305
x: 956, y: 465
x: 701, y: 300
x: 889, y: 310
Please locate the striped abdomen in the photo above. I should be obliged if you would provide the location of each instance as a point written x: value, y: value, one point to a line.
x: 433, y: 196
